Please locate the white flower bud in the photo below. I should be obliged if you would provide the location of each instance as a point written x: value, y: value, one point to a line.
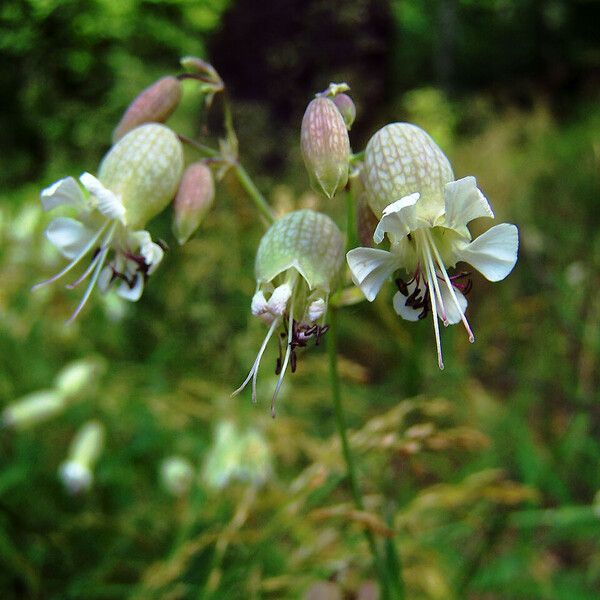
x: 33, y: 408
x: 77, y: 471
x: 177, y: 475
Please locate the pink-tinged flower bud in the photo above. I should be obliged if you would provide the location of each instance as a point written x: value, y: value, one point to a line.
x: 325, y: 146
x: 194, y: 197
x: 155, y: 104
x: 347, y: 109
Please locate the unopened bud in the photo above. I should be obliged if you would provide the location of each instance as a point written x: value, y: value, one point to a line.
x: 77, y: 471
x: 401, y: 159
x: 325, y: 146
x: 155, y: 104
x: 79, y: 377
x: 194, y: 197
x: 347, y: 109
x: 32, y: 409
x: 305, y: 240
x: 177, y: 475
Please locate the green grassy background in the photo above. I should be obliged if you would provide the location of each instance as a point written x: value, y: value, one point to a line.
x: 487, y: 472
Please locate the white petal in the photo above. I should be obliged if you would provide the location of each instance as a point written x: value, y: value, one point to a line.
x: 406, y: 312
x: 452, y: 314
x: 465, y: 202
x: 133, y: 294
x: 316, y: 310
x: 64, y: 192
x: 370, y: 267
x: 493, y: 253
x: 69, y: 236
x: 279, y: 299
x: 105, y: 279
x: 399, y: 218
x: 259, y: 304
x: 151, y: 252
x: 108, y: 203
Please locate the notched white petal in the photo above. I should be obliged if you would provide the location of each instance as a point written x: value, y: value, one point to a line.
x: 370, y: 267
x: 64, y: 192
x: 406, y: 312
x: 279, y: 299
x: 107, y: 203
x: 465, y: 202
x: 494, y: 253
x: 316, y: 310
x: 398, y: 218
x: 453, y: 315
x: 69, y: 236
x: 132, y: 293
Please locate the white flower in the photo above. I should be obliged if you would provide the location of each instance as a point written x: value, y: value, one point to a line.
x: 297, y: 262
x: 426, y: 237
x: 139, y: 177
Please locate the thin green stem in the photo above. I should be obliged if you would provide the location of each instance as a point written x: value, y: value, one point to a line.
x: 391, y: 583
x: 254, y: 193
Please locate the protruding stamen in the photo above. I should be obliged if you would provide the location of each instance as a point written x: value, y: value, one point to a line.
x: 100, y: 258
x: 75, y: 261
x: 451, y: 289
x: 436, y: 326
x: 285, y: 360
x: 431, y: 276
x: 87, y: 272
x: 254, y: 370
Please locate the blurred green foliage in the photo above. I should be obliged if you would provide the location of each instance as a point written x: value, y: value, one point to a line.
x: 487, y: 473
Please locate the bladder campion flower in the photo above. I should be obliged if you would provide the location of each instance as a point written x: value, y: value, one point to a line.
x: 136, y: 180
x: 77, y: 472
x: 424, y: 212
x: 297, y: 265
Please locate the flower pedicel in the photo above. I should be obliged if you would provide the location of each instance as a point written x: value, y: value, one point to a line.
x: 424, y: 212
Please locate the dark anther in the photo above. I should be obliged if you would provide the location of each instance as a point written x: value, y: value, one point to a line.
x: 402, y: 287
x: 413, y: 297
x: 293, y: 360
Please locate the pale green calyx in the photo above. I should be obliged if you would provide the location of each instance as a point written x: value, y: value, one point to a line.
x: 401, y: 159
x: 325, y: 146
x: 144, y: 169
x: 304, y: 240
x: 297, y: 265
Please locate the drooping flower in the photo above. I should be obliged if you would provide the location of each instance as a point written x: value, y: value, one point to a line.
x: 77, y: 472
x: 136, y: 180
x: 424, y: 212
x: 297, y: 265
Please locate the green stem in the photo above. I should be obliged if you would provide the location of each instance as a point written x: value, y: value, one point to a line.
x: 391, y: 583
x: 254, y: 193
